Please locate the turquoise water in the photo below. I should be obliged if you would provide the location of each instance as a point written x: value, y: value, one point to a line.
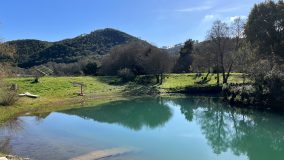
x: 201, y: 128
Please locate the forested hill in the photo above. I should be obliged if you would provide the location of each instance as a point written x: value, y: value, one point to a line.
x: 93, y: 45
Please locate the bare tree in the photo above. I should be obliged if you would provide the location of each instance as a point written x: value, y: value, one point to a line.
x: 219, y: 34
x: 227, y: 42
x: 243, y: 53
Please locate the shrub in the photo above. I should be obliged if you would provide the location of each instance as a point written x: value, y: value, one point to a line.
x: 145, y: 79
x: 8, y: 97
x: 268, y: 84
x: 90, y: 69
x: 126, y: 74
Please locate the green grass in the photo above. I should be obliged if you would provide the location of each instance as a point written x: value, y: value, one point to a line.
x: 62, y: 86
x: 58, y: 93
x: 175, y: 81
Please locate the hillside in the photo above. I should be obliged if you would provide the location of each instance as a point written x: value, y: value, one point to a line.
x: 93, y: 45
x: 28, y: 48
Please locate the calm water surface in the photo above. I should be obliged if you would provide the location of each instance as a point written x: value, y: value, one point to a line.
x: 198, y: 128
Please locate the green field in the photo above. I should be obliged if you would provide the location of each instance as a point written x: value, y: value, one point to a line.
x: 58, y: 93
x: 180, y: 81
x: 62, y: 87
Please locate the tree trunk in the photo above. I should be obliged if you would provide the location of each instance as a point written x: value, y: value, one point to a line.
x: 162, y: 77
x: 224, y: 76
x: 157, y: 78
x: 222, y: 66
x: 244, y: 78
x: 218, y: 77
x: 228, y: 74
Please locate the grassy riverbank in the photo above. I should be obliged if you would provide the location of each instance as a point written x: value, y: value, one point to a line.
x: 58, y: 93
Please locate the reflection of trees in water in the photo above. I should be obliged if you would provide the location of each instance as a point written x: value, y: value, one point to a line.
x: 256, y: 134
x: 12, y: 126
x: 39, y: 117
x: 7, y: 130
x: 131, y: 114
x: 5, y: 145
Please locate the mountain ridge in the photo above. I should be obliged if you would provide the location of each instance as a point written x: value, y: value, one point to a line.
x: 94, y: 45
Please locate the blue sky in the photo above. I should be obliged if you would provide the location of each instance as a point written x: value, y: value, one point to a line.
x: 161, y: 22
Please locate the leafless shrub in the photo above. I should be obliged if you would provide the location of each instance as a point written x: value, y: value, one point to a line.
x: 7, y: 97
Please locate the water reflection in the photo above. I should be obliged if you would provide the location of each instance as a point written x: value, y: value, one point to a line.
x: 7, y: 130
x: 252, y: 134
x: 133, y: 115
x: 5, y: 146
x: 12, y: 126
x: 256, y: 134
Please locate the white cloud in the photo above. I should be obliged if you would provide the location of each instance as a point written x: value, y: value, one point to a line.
x: 193, y: 9
x: 209, y: 18
x: 231, y: 19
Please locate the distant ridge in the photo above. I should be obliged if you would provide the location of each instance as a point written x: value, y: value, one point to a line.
x: 93, y: 45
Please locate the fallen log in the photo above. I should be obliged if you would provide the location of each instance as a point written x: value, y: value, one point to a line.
x: 27, y: 94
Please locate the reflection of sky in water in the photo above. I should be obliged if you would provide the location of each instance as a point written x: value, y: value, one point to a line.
x: 167, y: 129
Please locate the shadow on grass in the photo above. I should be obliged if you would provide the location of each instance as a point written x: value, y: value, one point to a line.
x: 134, y: 89
x: 111, y: 80
x: 197, y: 89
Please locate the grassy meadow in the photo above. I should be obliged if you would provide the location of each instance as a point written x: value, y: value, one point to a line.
x: 174, y: 81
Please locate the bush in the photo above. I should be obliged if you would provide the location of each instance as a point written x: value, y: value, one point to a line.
x: 90, y: 69
x: 126, y: 74
x: 8, y: 97
x: 268, y: 84
x: 146, y: 79
x: 266, y: 91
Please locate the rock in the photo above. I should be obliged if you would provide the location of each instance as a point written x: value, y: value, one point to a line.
x: 100, y: 154
x: 11, y: 157
x: 3, y: 158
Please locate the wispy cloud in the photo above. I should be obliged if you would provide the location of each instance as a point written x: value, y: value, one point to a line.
x: 194, y: 9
